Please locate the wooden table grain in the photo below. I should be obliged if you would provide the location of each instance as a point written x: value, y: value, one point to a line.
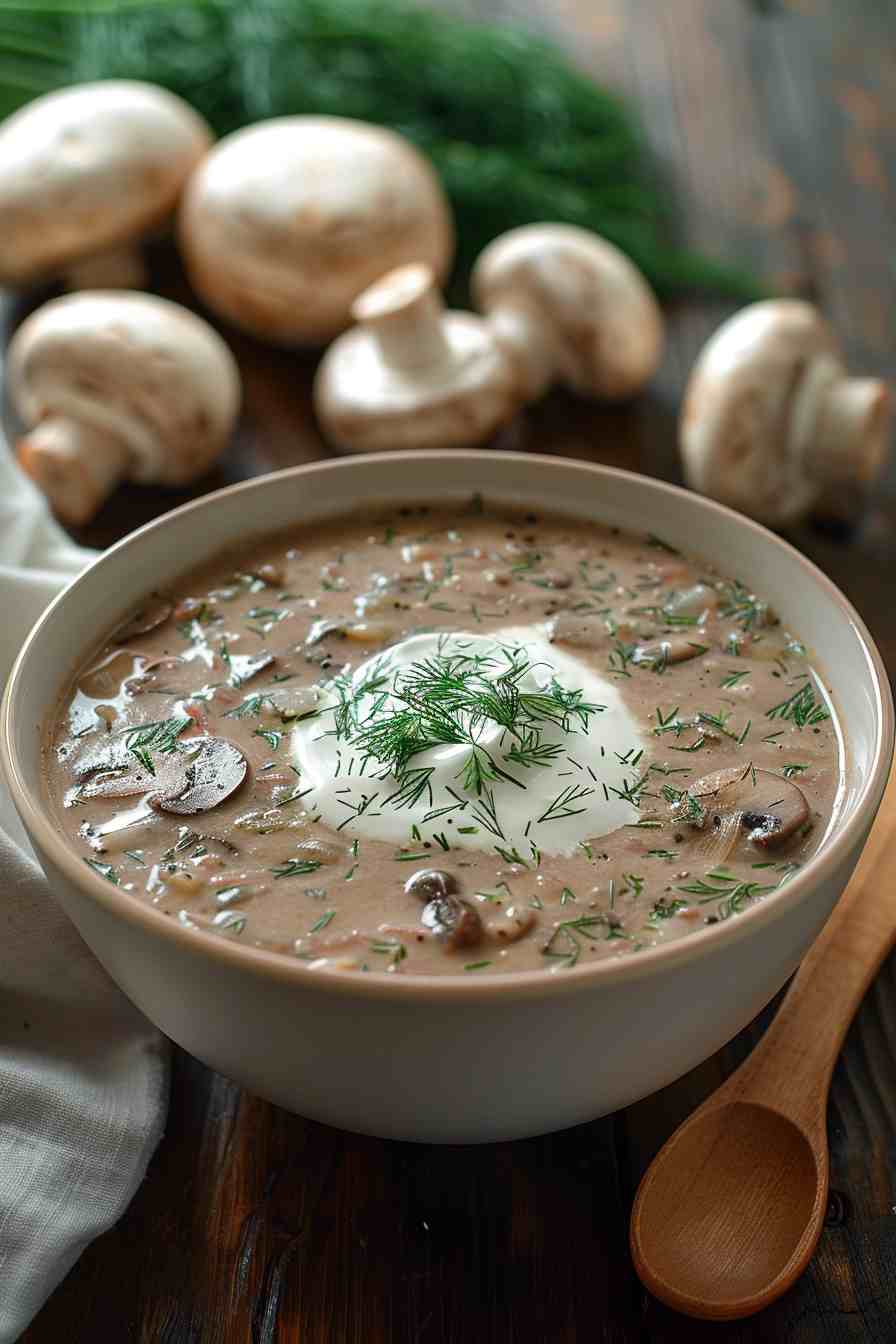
x: 773, y: 123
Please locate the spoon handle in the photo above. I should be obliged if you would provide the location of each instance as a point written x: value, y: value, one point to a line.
x: 796, y: 1056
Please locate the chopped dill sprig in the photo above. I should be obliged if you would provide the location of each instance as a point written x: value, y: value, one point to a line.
x: 270, y: 735
x: 295, y: 867
x: 732, y: 894
x: 562, y: 805
x: 733, y: 678
x: 803, y: 708
x: 566, y: 941
x: 105, y: 870
x: 740, y: 605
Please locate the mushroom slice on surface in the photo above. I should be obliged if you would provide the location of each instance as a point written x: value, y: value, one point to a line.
x: 85, y: 173
x: 241, y: 667
x: 154, y: 612
x: 771, y: 420
x: 210, y: 774
x: 189, y: 778
x: 105, y: 680
x: 410, y: 374
x: 150, y: 673
x: 452, y: 921
x: 768, y: 807
x: 114, y: 386
x: 584, y: 632
x: 321, y: 629
x: 569, y: 307
x: 287, y: 221
x: 697, y: 601
x: 661, y: 652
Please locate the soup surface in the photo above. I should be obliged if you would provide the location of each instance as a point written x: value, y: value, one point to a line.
x: 427, y: 741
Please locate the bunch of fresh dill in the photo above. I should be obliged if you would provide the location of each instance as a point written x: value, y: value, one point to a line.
x: 516, y: 133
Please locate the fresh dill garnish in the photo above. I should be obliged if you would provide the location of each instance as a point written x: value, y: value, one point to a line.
x: 392, y: 948
x: 791, y: 769
x: 529, y: 751
x: 270, y: 735
x: 322, y: 922
x: 485, y: 812
x: 496, y: 895
x: 251, y: 707
x: 733, y: 678
x: 732, y: 894
x: 664, y: 908
x: 160, y: 736
x: 803, y: 708
x: 476, y: 965
x: 567, y: 895
x: 569, y: 933
x: 563, y: 804
x: 740, y: 605
x: 669, y: 723
x: 632, y: 791
x: 358, y: 809
x: 105, y: 870
x: 295, y: 867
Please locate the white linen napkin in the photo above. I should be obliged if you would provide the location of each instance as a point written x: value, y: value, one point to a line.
x: 83, y: 1076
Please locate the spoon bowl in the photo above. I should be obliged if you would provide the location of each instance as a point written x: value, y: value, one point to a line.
x: 738, y: 1155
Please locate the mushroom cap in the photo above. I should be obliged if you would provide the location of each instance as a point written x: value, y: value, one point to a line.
x: 367, y: 405
x: 452, y: 384
x: 90, y: 167
x: 146, y: 371
x: 601, y: 319
x: 742, y: 409
x: 287, y: 221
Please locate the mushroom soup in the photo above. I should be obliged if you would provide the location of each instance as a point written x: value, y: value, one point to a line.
x: 435, y: 742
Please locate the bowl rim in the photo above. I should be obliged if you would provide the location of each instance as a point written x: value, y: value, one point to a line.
x: 265, y: 964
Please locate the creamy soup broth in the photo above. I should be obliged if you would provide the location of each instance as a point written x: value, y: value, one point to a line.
x: 428, y: 742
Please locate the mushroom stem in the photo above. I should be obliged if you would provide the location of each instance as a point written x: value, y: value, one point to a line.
x: 76, y: 465
x: 851, y: 431
x: 403, y: 311
x: 116, y: 268
x: 526, y: 342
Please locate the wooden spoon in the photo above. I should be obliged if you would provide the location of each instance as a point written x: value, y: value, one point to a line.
x: 730, y: 1210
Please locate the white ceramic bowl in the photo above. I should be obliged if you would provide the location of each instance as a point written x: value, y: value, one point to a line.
x: 452, y: 1058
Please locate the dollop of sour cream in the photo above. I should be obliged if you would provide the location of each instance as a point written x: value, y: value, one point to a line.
x: 555, y: 751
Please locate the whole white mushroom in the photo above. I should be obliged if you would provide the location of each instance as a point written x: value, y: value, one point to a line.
x: 85, y: 174
x: 771, y: 421
x: 569, y: 307
x: 287, y: 221
x: 411, y: 375
x: 114, y: 385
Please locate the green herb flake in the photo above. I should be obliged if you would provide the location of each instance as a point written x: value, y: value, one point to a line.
x: 295, y: 867
x: 105, y: 870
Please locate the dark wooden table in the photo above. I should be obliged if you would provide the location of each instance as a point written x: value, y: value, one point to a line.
x: 774, y: 124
